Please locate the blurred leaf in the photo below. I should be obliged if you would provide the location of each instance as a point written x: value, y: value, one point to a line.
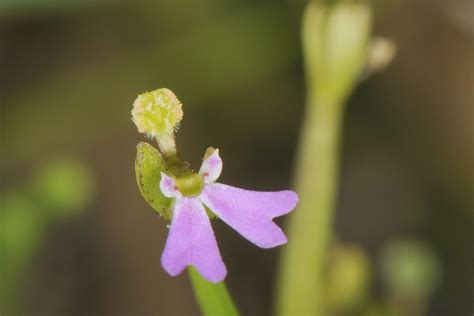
x: 19, y: 219
x: 60, y: 188
x: 64, y: 186
x: 410, y: 268
x: 20, y: 233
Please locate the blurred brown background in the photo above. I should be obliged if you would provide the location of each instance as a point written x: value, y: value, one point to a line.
x: 70, y: 71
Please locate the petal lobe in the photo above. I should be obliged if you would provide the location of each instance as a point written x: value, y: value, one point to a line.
x: 211, y: 167
x: 250, y: 213
x: 168, y: 186
x: 192, y: 241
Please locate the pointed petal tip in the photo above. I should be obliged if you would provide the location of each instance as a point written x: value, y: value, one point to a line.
x: 287, y: 202
x: 217, y: 280
x: 171, y: 268
x: 268, y: 241
x: 211, y: 276
x: 272, y: 243
x: 214, y: 276
x: 282, y: 202
x: 293, y: 197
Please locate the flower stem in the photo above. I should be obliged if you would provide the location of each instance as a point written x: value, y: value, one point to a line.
x: 213, y: 299
x: 167, y: 144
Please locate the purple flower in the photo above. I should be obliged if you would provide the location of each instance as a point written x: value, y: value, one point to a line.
x: 191, y: 239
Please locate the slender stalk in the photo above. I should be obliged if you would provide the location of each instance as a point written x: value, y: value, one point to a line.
x: 213, y: 299
x: 334, y: 38
x: 300, y: 288
x: 167, y: 145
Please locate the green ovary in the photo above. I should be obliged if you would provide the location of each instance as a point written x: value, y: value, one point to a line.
x: 190, y: 184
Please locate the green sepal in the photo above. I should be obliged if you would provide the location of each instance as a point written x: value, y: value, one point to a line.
x: 148, y: 167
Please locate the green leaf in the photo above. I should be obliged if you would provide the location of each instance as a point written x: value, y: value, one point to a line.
x: 21, y: 232
x: 148, y: 167
x: 213, y: 299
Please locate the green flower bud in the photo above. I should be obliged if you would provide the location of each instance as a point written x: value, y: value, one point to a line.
x: 148, y: 167
x: 335, y: 39
x: 157, y: 112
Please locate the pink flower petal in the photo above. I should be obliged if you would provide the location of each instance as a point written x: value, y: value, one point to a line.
x: 168, y: 186
x: 250, y: 213
x: 192, y: 241
x: 211, y: 167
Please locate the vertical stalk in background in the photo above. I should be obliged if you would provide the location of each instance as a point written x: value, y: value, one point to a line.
x: 335, y: 40
x: 310, y: 226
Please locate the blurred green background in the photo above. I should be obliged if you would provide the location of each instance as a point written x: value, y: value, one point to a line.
x: 76, y: 237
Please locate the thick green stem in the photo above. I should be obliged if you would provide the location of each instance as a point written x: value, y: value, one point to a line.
x: 213, y: 299
x: 310, y: 227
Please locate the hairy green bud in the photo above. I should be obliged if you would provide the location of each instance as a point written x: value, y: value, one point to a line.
x: 157, y: 112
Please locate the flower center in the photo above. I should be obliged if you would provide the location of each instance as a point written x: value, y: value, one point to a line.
x: 190, y: 184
